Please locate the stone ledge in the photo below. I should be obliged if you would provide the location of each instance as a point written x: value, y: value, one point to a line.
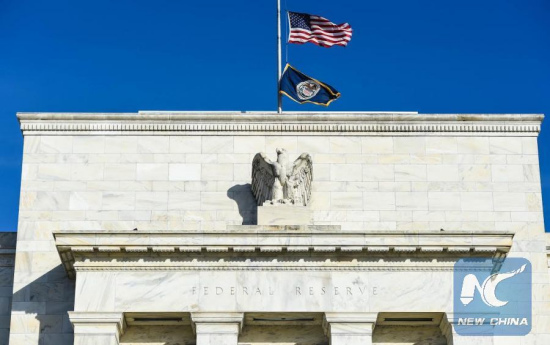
x: 226, y: 123
x: 120, y: 249
x: 266, y: 116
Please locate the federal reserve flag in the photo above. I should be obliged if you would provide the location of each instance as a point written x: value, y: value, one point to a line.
x: 303, y: 89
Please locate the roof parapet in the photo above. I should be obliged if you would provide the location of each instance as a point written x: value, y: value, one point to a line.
x: 256, y: 123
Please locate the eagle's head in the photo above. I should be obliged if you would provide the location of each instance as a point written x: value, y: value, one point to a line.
x: 281, y: 155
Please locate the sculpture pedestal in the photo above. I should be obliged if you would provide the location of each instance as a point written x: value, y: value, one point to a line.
x: 284, y: 215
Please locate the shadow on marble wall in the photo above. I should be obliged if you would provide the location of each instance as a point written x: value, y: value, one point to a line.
x: 288, y: 335
x: 410, y: 335
x: 7, y: 258
x: 242, y: 194
x: 158, y: 335
x: 42, y: 307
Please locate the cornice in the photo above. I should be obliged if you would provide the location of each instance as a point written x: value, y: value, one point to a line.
x: 248, y: 248
x: 389, y: 266
x: 258, y: 123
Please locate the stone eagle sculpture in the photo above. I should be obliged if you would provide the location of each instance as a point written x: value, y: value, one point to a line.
x: 279, y: 182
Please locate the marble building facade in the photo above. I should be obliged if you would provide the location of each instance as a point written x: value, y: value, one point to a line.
x: 141, y: 228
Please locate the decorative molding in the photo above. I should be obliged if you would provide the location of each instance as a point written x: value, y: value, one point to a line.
x: 351, y: 249
x: 239, y: 249
x: 389, y: 267
x: 163, y: 249
x: 108, y: 249
x: 217, y: 249
x: 379, y: 249
x: 272, y: 248
x: 298, y: 249
x: 189, y: 249
x: 440, y: 249
x: 459, y: 249
x: 487, y: 249
x: 182, y: 123
x: 137, y: 249
x: 326, y: 249
x: 410, y: 249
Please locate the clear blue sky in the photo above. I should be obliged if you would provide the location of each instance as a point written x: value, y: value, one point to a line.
x: 469, y: 56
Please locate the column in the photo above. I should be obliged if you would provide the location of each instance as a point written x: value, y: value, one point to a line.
x: 96, y: 328
x: 349, y: 328
x: 217, y: 328
x: 448, y: 329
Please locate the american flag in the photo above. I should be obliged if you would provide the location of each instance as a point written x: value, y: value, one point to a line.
x: 318, y: 30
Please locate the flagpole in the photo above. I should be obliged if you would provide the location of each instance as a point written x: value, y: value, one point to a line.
x: 279, y: 58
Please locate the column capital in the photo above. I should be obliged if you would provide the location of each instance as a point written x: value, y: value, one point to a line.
x: 338, y: 325
x: 108, y: 326
x: 350, y: 317
x: 448, y: 325
x: 217, y: 328
x: 217, y: 318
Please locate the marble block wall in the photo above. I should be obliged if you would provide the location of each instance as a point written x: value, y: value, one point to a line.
x: 7, y: 258
x: 190, y: 182
x: 115, y: 172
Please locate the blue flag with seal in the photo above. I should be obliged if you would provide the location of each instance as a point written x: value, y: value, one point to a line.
x: 304, y: 89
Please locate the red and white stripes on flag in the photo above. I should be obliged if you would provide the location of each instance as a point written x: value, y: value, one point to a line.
x: 318, y: 30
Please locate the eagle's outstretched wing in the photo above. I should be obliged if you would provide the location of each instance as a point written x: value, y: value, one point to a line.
x: 301, y: 177
x: 262, y: 178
